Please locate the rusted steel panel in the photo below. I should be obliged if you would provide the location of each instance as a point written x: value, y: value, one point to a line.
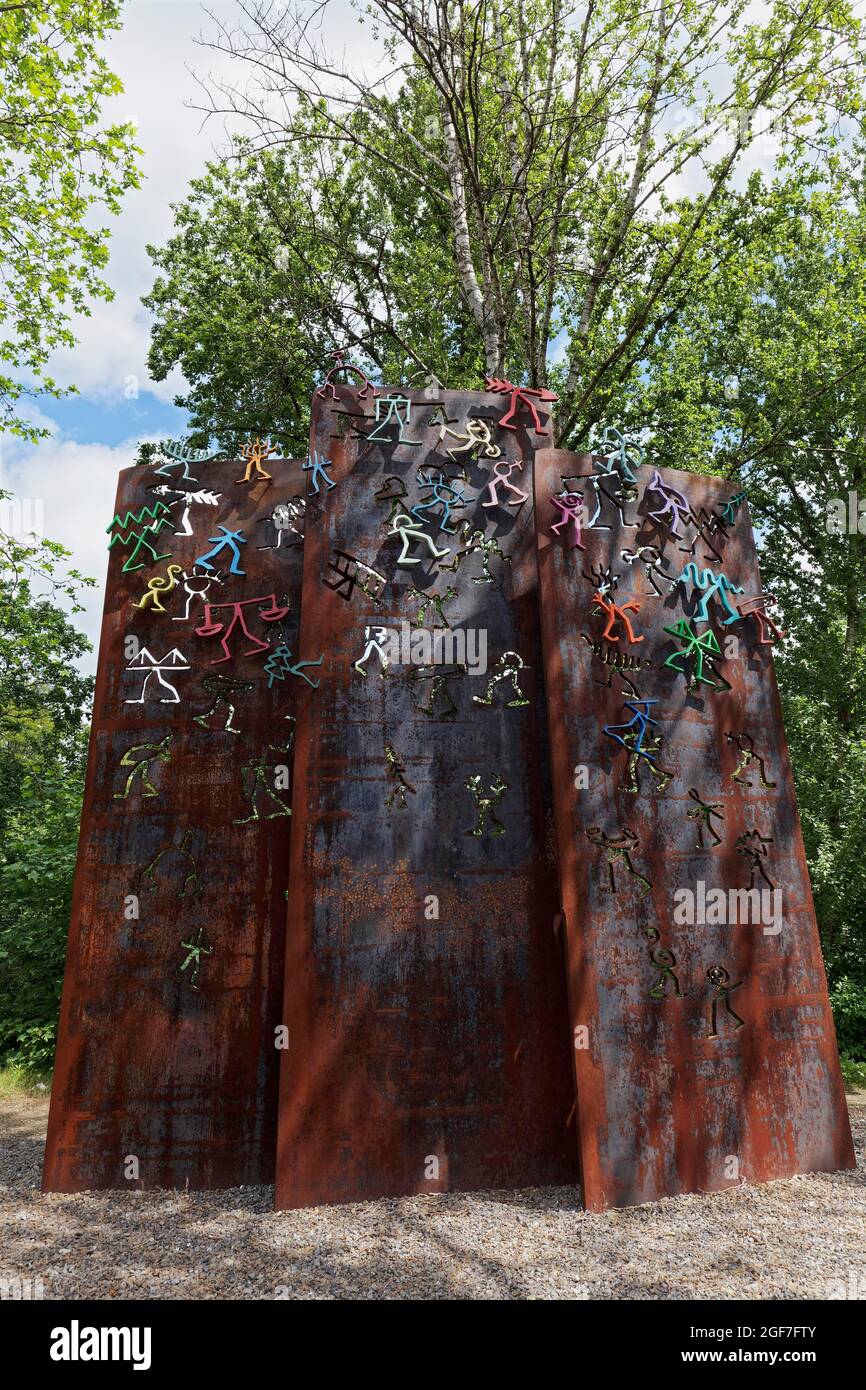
x: 688, y: 1078
x: 425, y: 1001
x: 166, y: 1050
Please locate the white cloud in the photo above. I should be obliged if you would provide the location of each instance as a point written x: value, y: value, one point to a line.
x: 72, y: 487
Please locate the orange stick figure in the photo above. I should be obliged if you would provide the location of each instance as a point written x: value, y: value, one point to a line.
x: 617, y: 612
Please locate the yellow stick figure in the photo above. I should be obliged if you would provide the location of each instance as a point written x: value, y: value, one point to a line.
x: 254, y: 453
x: 157, y: 588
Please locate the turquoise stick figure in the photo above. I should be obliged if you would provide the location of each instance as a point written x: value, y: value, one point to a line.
x: 317, y: 464
x: 229, y: 540
x: 710, y: 584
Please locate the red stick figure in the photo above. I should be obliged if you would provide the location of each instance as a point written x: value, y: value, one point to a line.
x: 211, y: 628
x: 520, y: 395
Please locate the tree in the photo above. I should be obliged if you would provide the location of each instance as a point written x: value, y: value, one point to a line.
x: 58, y: 164
x: 43, y: 742
x: 523, y: 163
x: 763, y: 379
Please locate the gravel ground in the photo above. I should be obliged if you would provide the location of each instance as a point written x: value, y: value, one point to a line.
x: 783, y: 1240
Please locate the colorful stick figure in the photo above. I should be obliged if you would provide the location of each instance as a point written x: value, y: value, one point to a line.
x: 640, y: 743
x: 570, y: 507
x: 317, y: 465
x: 229, y: 540
x: 502, y: 471
x: 409, y: 531
x: 340, y: 365
x: 519, y: 396
x: 711, y: 584
x: 279, y: 665
x: 443, y: 495
x: 150, y: 521
x: 211, y: 627
x: 697, y: 647
x: 153, y: 666
x: 674, y: 504
x: 374, y: 638
x: 157, y: 588
x: 254, y: 453
x: 616, y: 612
x: 398, y: 412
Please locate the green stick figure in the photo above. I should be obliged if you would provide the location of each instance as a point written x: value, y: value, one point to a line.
x: 703, y: 812
x: 508, y: 667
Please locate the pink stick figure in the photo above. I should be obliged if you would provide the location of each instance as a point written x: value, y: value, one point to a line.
x: 500, y: 479
x: 570, y: 505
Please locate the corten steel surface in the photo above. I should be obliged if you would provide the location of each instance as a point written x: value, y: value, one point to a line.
x: 425, y: 993
x: 166, y: 1049
x: 663, y: 1106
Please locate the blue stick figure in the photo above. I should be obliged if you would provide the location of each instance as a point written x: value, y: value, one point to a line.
x: 229, y: 540
x: 318, y: 464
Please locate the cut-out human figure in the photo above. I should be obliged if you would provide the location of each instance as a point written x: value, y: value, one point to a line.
x: 618, y: 848
x: 439, y: 689
x: 139, y: 757
x: 665, y: 960
x: 221, y: 687
x: 397, y: 777
x: 745, y: 745
x: 477, y: 544
x: 287, y: 518
x: 754, y: 846
x: 258, y: 778
x: 351, y: 572
x: 704, y: 812
x: 430, y: 599
x: 393, y: 490
x: 166, y: 860
x: 722, y: 990
x: 507, y: 668
x: 485, y: 802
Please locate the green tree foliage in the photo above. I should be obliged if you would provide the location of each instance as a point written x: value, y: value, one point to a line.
x: 58, y: 164
x: 43, y: 701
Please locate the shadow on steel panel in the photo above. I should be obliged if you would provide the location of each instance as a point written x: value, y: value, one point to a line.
x: 705, y: 1050
x: 166, y: 1067
x: 425, y: 996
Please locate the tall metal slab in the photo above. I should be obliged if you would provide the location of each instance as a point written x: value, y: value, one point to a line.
x: 705, y: 1051
x: 424, y: 990
x: 167, y: 1059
